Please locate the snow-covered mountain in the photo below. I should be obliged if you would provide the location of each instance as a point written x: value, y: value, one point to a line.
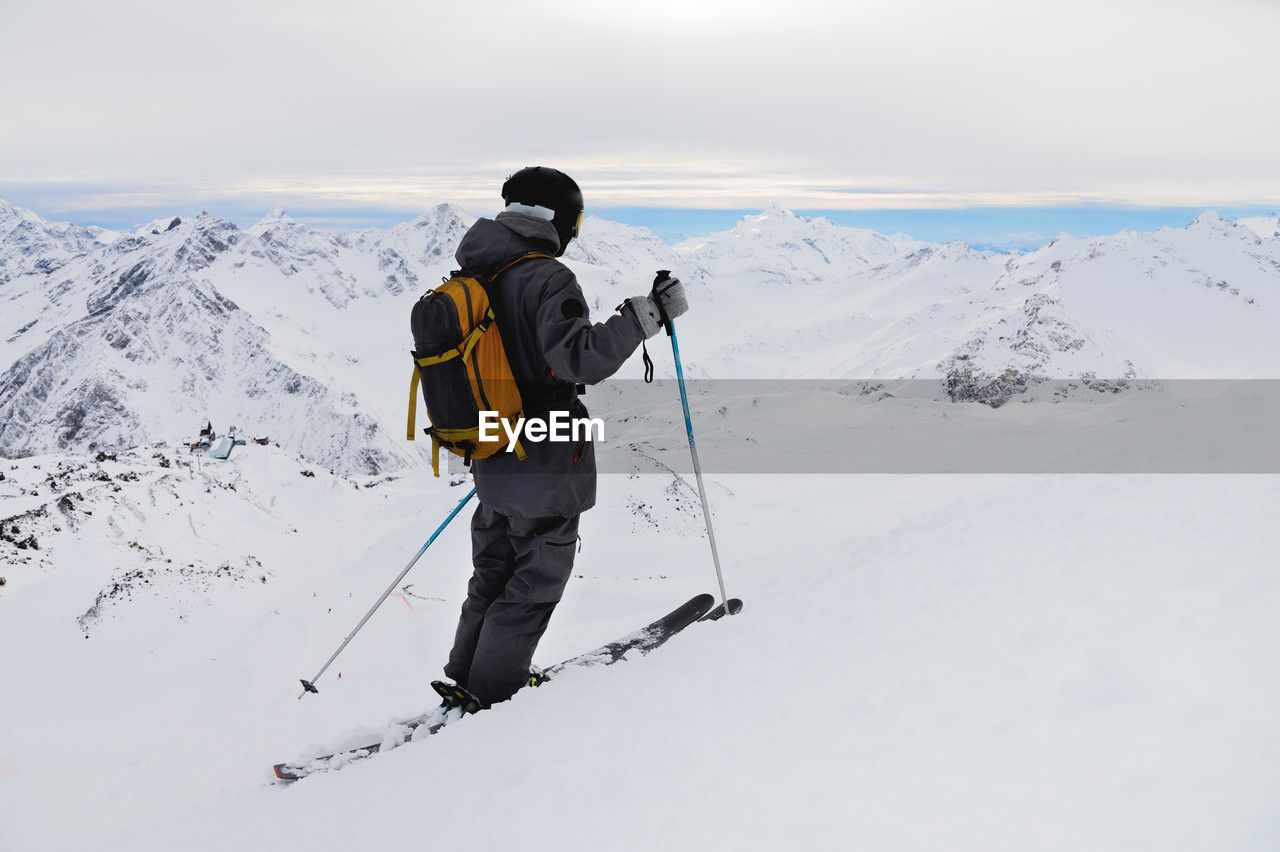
x: 1186, y: 303
x: 279, y: 328
x: 1194, y: 302
x: 614, y: 261
x: 1264, y: 226
x: 143, y: 339
x: 28, y: 243
x: 110, y: 340
x: 777, y: 247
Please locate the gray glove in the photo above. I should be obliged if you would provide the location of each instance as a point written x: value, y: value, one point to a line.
x: 667, y: 296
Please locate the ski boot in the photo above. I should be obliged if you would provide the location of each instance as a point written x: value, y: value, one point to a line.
x: 456, y: 696
x: 537, y: 677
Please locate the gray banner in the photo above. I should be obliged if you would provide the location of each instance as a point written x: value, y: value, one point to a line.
x: 865, y: 426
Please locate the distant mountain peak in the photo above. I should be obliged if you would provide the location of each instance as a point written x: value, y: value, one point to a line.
x: 30, y: 243
x: 1209, y: 218
x: 443, y: 216
x: 8, y: 208
x: 277, y: 216
x: 774, y: 219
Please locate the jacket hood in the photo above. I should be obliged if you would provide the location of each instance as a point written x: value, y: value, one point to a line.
x: 490, y: 241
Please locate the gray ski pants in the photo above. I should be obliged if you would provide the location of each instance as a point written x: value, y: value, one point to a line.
x: 522, y: 566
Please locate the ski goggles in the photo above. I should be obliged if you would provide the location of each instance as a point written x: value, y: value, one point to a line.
x: 577, y: 225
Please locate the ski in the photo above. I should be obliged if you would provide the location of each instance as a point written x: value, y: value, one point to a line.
x: 642, y: 641
x: 418, y: 727
x: 718, y: 611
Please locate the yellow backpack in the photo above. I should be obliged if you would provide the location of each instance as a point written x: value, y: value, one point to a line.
x: 460, y: 362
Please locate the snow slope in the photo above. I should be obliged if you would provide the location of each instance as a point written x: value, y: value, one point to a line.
x: 924, y: 662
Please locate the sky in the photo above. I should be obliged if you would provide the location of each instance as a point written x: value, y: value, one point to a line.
x: 347, y: 113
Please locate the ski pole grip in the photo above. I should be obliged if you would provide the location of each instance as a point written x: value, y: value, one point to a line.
x: 663, y: 275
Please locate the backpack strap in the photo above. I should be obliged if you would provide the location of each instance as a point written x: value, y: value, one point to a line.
x: 413, y: 396
x: 468, y: 439
x: 529, y: 255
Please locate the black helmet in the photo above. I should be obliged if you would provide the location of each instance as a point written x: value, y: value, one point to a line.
x: 539, y: 186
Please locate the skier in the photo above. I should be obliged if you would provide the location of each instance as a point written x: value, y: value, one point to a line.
x: 525, y: 530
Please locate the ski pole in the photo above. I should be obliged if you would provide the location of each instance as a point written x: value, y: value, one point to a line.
x: 670, y: 325
x: 310, y: 685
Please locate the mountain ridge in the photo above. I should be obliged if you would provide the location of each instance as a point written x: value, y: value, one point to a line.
x: 116, y: 339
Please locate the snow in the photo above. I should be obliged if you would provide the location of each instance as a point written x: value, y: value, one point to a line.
x: 924, y: 661
x: 1265, y: 227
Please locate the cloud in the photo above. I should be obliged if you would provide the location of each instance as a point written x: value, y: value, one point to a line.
x: 664, y: 103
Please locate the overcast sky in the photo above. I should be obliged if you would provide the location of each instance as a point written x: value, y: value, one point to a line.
x: 659, y: 103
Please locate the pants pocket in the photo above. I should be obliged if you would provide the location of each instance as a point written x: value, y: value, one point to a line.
x: 551, y: 570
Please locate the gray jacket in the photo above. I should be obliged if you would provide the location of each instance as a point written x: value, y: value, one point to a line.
x: 553, y: 346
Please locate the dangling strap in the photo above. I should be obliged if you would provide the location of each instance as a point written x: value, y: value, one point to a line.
x: 413, y: 399
x: 648, y: 362
x: 449, y: 438
x: 453, y: 437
